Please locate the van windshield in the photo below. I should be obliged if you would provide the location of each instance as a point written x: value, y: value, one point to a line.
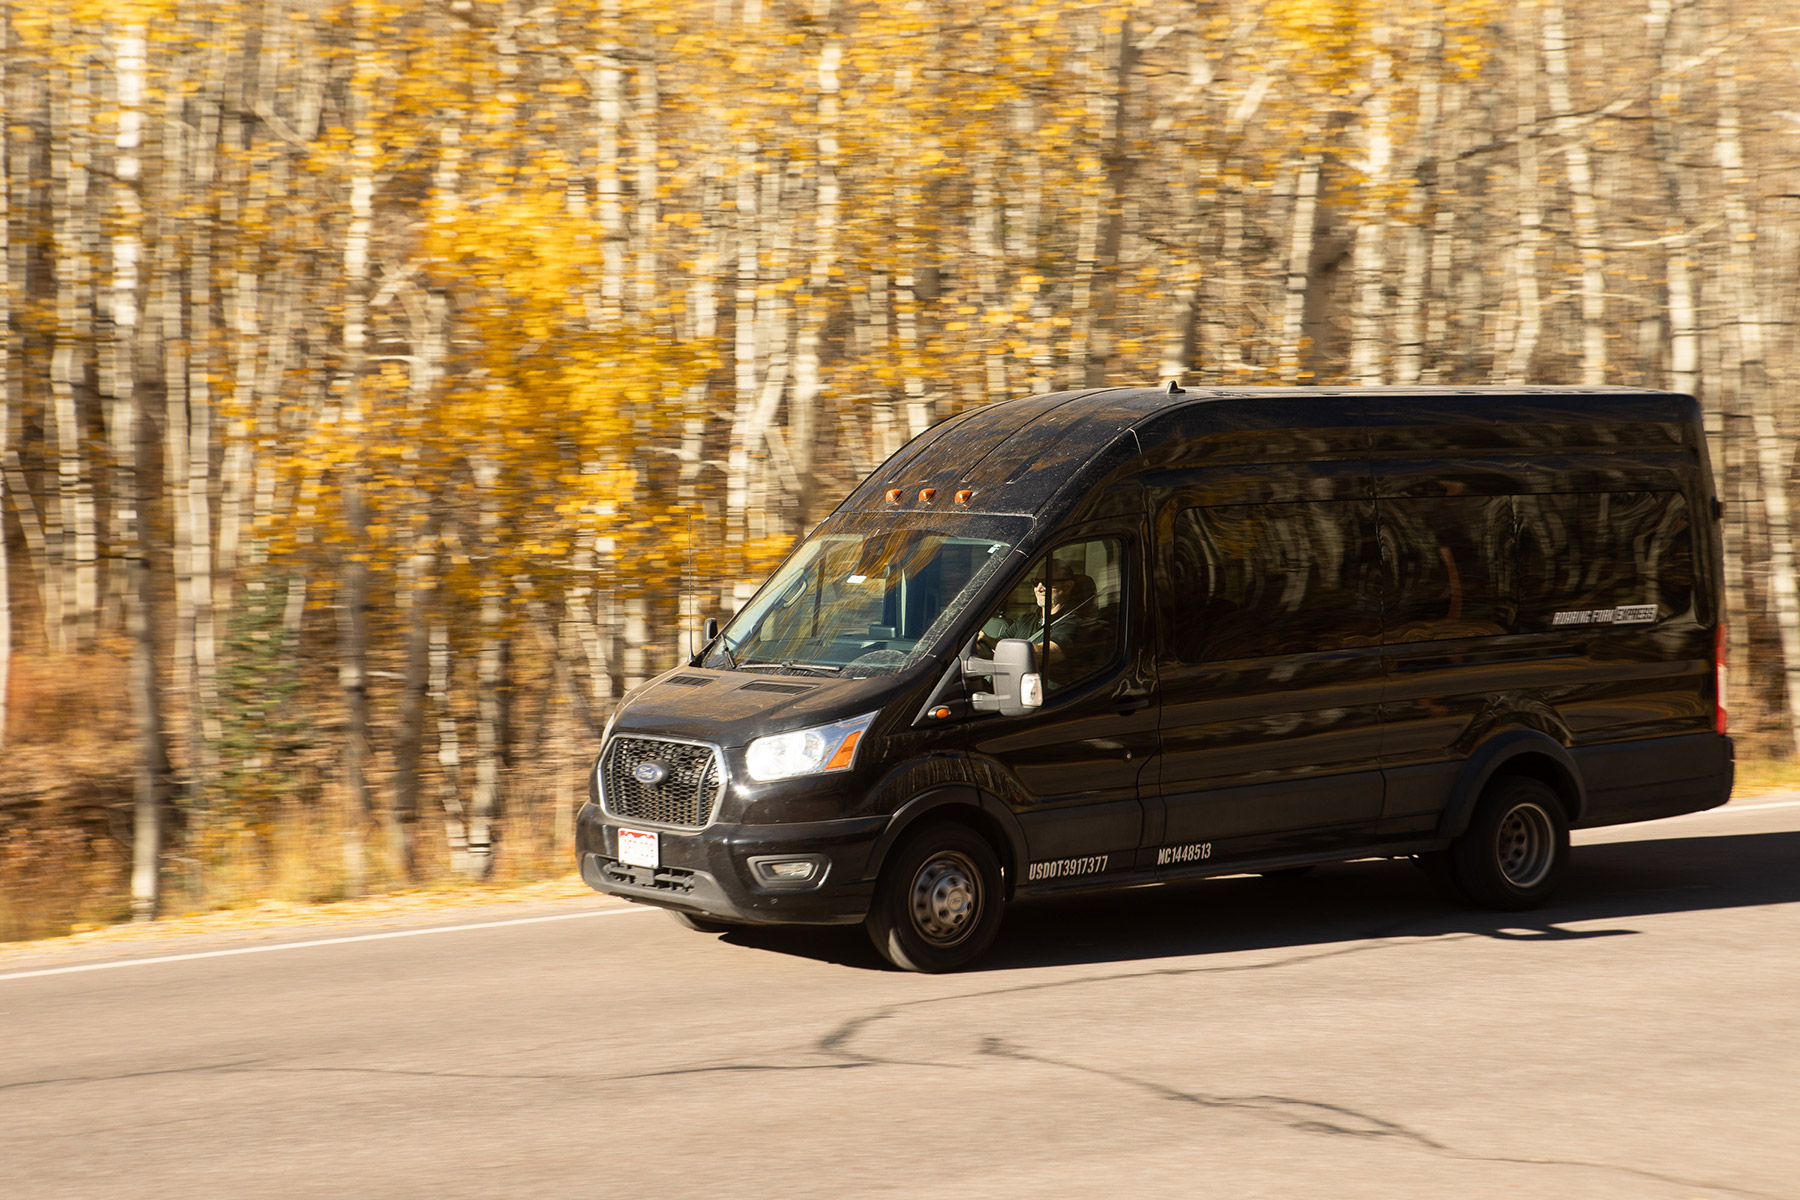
x: 867, y: 596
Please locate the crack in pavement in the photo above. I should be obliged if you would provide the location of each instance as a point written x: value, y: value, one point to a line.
x: 838, y: 1046
x: 1295, y: 1112
x: 1310, y: 1116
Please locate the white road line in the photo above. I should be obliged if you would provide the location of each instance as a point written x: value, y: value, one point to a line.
x: 1734, y: 808
x: 1754, y: 807
x: 604, y: 912
x: 335, y: 941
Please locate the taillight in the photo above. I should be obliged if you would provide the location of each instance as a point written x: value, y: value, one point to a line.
x: 1719, y: 648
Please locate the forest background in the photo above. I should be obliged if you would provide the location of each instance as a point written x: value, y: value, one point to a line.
x: 388, y: 387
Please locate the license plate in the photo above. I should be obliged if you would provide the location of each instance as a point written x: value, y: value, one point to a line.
x: 638, y: 849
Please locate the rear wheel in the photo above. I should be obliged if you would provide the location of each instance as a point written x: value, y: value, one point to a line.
x: 937, y: 904
x: 699, y: 924
x: 1516, y: 846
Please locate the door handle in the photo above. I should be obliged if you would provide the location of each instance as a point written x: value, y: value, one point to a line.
x: 1126, y: 705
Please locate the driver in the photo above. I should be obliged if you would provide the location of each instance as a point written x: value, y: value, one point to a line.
x: 1065, y: 613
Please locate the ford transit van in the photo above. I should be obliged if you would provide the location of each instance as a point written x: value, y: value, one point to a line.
x: 1110, y: 637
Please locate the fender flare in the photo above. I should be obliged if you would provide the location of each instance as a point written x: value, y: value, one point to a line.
x: 1494, y: 754
x: 961, y: 795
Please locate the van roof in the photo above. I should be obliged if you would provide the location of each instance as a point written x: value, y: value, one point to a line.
x: 1016, y: 455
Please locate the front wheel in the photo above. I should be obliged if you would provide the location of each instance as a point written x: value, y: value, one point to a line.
x: 1516, y: 846
x: 937, y: 904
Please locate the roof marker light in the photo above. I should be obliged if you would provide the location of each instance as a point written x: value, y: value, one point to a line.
x: 926, y: 495
x: 962, y: 497
x: 893, y: 495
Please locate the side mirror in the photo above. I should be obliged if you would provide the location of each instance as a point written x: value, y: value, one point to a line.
x: 1018, y: 688
x: 711, y: 631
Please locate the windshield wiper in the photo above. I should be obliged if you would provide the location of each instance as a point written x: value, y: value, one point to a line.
x: 794, y: 667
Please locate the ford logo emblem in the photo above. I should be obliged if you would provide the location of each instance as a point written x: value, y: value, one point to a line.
x: 651, y: 773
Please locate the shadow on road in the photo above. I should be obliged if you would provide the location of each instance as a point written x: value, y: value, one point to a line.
x: 1343, y: 902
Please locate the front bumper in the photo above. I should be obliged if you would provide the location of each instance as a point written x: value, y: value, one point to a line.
x: 707, y: 871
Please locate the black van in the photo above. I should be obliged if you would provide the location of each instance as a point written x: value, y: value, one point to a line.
x: 1131, y: 635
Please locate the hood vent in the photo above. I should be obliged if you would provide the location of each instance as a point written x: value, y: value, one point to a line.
x: 780, y: 689
x: 688, y: 680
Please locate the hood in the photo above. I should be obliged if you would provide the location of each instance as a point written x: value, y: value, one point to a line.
x: 733, y: 708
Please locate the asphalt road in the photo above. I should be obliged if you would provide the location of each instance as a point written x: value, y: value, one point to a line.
x: 1343, y: 1035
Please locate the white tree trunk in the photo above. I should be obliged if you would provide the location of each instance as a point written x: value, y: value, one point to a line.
x: 456, y: 827
x: 171, y: 334
x: 205, y: 704
x: 747, y: 358
x: 816, y: 308
x: 1772, y: 457
x: 648, y: 113
x: 1299, y: 266
x: 1529, y: 322
x: 1409, y: 316
x: 1581, y: 197
x: 1678, y: 264
x: 353, y: 632
x: 131, y: 439
x: 5, y: 378
x: 1369, y: 258
x: 609, y: 106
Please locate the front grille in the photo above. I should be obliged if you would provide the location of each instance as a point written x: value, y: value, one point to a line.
x: 686, y: 794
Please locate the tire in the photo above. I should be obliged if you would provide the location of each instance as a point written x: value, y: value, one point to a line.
x: 1516, y: 847
x: 699, y: 924
x: 938, y: 903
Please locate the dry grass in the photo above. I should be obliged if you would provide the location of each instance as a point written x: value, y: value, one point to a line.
x: 65, y: 807
x: 1767, y: 776
x: 278, y: 914
x: 65, y: 825
x: 66, y: 810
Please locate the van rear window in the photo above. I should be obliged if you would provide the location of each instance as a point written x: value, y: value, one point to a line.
x: 1583, y: 552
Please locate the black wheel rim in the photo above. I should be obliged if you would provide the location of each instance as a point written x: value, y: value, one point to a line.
x: 1526, y: 845
x: 945, y: 899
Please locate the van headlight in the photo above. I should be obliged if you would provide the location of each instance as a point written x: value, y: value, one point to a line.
x: 806, y: 751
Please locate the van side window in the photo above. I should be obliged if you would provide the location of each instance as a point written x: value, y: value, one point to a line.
x: 1599, y: 550
x: 1249, y: 580
x: 1068, y: 605
x: 1450, y: 567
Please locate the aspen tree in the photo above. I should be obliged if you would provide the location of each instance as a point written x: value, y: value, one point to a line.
x: 1300, y: 263
x: 815, y: 302
x: 132, y: 441
x: 1581, y: 193
x: 1116, y: 170
x: 1667, y: 137
x: 1410, y: 322
x: 1529, y: 324
x: 18, y: 96
x: 169, y: 235
x: 353, y: 603
x: 68, y: 190
x: 1772, y: 459
x: 203, y: 697
x: 1369, y: 256
x: 6, y: 405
